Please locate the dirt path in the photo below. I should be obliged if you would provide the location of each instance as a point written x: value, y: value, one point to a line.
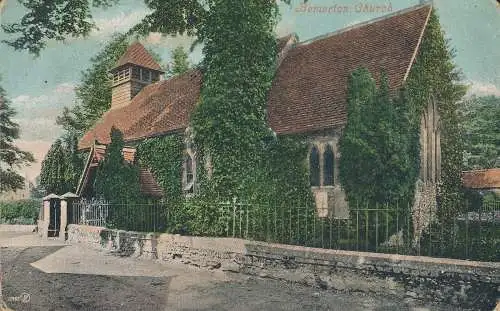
x: 91, y: 280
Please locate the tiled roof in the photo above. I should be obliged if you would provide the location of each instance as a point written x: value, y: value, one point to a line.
x: 310, y: 89
x: 136, y: 54
x: 159, y: 108
x: 482, y: 179
x: 147, y: 181
x: 308, y: 93
x: 100, y: 152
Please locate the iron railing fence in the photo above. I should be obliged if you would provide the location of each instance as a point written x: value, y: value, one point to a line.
x: 93, y: 212
x: 473, y: 234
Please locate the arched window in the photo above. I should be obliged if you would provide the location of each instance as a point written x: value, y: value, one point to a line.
x: 314, y: 167
x: 188, y: 173
x: 328, y: 166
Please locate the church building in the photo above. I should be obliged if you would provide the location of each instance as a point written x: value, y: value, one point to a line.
x: 308, y: 96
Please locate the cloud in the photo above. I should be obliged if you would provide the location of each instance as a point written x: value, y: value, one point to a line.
x: 36, y: 115
x: 157, y: 39
x: 119, y: 23
x: 483, y: 88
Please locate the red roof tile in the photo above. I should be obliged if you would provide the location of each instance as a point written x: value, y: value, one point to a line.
x: 159, y: 108
x: 147, y: 181
x: 310, y: 89
x: 136, y: 54
x: 482, y: 179
x: 100, y: 152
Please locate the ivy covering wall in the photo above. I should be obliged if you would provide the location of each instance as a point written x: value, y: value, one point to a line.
x: 434, y: 73
x: 163, y: 156
x: 379, y: 145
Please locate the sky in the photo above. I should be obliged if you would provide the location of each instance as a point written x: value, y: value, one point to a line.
x: 39, y: 87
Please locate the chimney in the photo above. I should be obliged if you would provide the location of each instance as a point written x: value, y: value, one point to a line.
x: 135, y: 69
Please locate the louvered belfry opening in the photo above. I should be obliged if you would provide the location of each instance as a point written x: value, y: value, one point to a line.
x: 135, y: 70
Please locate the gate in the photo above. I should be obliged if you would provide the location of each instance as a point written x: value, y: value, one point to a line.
x: 93, y: 212
x: 55, y: 218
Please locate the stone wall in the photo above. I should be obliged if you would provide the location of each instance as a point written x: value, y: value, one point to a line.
x: 457, y: 282
x: 88, y: 235
x: 424, y: 209
x: 17, y: 228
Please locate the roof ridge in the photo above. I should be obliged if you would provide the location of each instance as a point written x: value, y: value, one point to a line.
x: 366, y: 23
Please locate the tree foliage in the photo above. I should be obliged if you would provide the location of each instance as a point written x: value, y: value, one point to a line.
x: 61, y: 167
x: 116, y: 180
x: 57, y: 20
x: 230, y: 122
x: 11, y: 157
x: 180, y: 62
x: 379, y: 160
x: 93, y: 94
x: 19, y: 212
x: 481, y: 130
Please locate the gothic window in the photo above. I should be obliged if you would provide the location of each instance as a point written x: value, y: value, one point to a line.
x: 188, y: 173
x: 314, y: 167
x: 328, y: 166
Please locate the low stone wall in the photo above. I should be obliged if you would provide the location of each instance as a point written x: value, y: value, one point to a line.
x: 17, y: 228
x: 88, y: 235
x: 457, y: 282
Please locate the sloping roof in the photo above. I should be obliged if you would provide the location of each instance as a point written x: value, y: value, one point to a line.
x: 159, y: 108
x: 147, y: 181
x: 309, y: 90
x: 136, y: 54
x: 482, y: 179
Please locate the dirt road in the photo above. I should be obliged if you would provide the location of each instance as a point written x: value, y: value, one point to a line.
x: 86, y: 279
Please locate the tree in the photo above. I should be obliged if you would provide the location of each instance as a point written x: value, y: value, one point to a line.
x: 74, y: 159
x: 54, y: 173
x: 11, y: 157
x: 37, y: 191
x: 230, y: 122
x: 62, y: 166
x: 116, y: 180
x: 93, y: 94
x: 481, y: 124
x: 45, y: 21
x: 379, y: 161
x: 180, y: 62
x: 240, y: 54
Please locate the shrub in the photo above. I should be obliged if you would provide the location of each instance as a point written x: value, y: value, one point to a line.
x: 19, y: 212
